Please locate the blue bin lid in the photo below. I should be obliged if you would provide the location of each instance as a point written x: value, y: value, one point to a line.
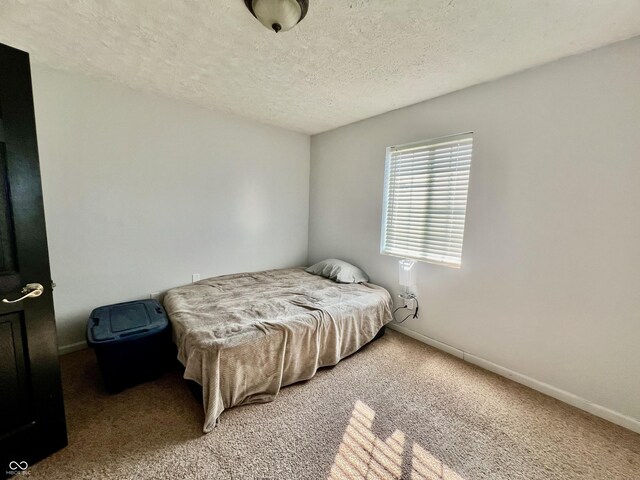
x: 125, y: 321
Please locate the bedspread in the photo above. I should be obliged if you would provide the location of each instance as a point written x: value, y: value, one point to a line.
x: 244, y: 336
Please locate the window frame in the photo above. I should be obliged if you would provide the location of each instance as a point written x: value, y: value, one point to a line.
x: 387, y: 188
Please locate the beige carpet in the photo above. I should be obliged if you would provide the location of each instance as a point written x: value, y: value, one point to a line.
x: 397, y: 409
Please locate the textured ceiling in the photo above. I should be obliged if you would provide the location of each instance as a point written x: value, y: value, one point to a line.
x: 347, y: 60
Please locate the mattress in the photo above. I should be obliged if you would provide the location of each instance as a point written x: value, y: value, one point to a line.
x: 242, y: 337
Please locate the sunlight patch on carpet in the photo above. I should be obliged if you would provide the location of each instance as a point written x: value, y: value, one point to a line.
x: 364, y: 455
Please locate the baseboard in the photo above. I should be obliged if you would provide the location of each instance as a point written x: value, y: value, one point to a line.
x: 74, y: 347
x: 428, y: 340
x: 557, y: 393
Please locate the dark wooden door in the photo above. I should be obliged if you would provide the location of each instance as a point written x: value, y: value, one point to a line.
x: 32, y: 423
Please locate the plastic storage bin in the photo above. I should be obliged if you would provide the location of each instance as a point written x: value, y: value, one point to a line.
x: 132, y: 341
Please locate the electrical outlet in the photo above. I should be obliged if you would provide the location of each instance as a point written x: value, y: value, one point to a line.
x: 411, y: 303
x: 155, y: 296
x: 195, y: 277
x: 407, y: 300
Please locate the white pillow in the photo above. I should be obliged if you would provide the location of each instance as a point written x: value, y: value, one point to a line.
x: 338, y: 271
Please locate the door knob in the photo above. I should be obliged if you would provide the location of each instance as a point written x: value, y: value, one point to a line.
x: 31, y: 290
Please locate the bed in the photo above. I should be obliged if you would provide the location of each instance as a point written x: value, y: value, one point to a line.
x: 244, y: 336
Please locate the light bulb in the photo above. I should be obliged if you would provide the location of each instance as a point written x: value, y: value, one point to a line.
x: 277, y: 15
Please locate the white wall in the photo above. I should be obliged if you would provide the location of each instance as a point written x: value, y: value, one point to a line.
x: 141, y: 191
x: 550, y: 282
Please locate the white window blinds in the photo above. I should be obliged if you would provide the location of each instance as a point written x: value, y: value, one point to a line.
x: 425, y: 199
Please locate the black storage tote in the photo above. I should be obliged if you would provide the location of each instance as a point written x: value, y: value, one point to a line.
x: 132, y: 341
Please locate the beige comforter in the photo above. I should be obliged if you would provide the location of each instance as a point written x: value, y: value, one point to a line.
x: 244, y: 336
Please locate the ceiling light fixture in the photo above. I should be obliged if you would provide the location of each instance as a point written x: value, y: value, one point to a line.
x: 278, y: 15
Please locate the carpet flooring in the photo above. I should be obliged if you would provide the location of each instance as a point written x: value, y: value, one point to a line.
x: 397, y: 409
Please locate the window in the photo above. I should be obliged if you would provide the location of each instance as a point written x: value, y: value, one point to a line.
x: 425, y: 199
